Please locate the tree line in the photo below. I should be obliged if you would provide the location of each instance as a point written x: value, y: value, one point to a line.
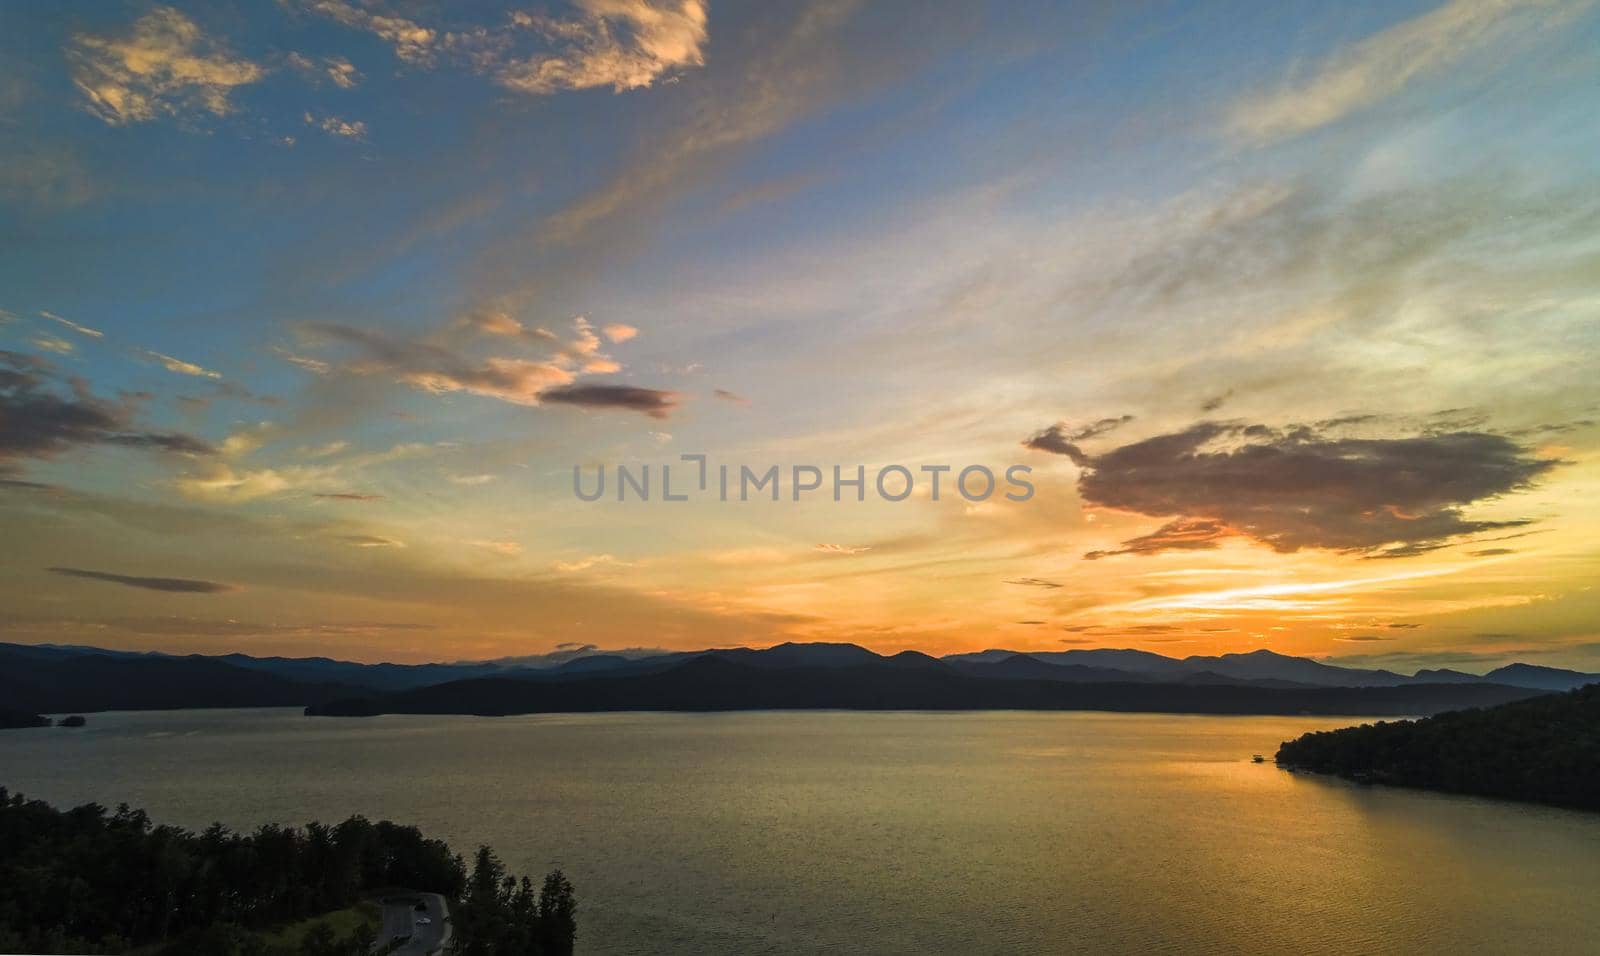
x: 1543, y: 750
x: 89, y: 880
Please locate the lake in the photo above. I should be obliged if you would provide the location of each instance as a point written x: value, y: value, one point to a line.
x: 829, y: 832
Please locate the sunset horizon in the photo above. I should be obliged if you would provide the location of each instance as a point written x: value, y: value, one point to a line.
x: 694, y: 477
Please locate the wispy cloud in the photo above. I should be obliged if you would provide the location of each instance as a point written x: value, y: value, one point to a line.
x: 179, y: 365
x: 173, y: 585
x: 842, y: 549
x: 370, y: 541
x: 1387, y: 62
x: 509, y: 549
x: 586, y: 563
x: 347, y: 496
x: 80, y: 329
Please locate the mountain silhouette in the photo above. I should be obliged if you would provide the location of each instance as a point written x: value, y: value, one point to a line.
x: 54, y: 679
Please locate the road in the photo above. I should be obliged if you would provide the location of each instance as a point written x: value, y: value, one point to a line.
x: 401, y: 918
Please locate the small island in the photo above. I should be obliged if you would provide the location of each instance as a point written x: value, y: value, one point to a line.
x: 72, y: 720
x: 1542, y: 750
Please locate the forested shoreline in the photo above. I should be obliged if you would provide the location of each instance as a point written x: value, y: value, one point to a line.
x: 89, y: 880
x: 1542, y: 750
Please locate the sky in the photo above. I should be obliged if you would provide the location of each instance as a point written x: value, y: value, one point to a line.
x: 309, y: 310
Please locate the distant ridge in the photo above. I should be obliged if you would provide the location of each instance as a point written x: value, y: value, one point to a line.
x: 55, y: 679
x: 1265, y: 665
x: 716, y: 682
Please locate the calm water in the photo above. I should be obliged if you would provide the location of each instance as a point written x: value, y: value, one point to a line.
x: 892, y: 833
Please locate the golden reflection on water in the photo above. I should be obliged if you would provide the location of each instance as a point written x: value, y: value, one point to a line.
x: 908, y: 833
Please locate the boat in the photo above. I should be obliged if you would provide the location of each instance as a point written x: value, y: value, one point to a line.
x: 1258, y: 759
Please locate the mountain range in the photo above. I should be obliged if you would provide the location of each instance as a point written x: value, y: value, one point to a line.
x: 58, y: 678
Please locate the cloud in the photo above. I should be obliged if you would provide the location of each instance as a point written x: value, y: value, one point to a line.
x: 433, y: 368
x: 1385, y: 63
x: 50, y: 343
x: 165, y: 67
x: 509, y: 549
x: 347, y: 496
x: 173, y: 585
x: 728, y: 396
x: 623, y: 44
x: 219, y: 481
x: 335, y: 69
x: 585, y: 563
x: 471, y: 480
x: 80, y: 329
x: 370, y: 541
x: 1183, y: 534
x: 1299, y: 488
x: 618, y: 332
x: 412, y: 42
x: 1035, y: 583
x: 1363, y: 638
x: 335, y: 126
x: 323, y: 451
x: 842, y: 549
x: 37, y: 420
x: 1062, y: 438
x: 314, y: 366
x: 179, y: 365
x: 649, y: 401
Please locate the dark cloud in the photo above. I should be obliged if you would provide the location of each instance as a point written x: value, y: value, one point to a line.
x: 1216, y: 401
x: 433, y: 367
x: 347, y: 496
x: 42, y: 416
x: 1492, y: 552
x: 728, y: 396
x: 648, y: 401
x: 226, y: 390
x: 1363, y: 638
x: 1062, y: 438
x: 1034, y: 582
x: 1299, y: 488
x: 1409, y: 550
x: 175, y: 585
x: 1183, y: 534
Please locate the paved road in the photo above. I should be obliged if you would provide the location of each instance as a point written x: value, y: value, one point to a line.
x: 401, y: 918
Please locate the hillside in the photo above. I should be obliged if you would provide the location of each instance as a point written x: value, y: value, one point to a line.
x: 713, y: 683
x: 53, y: 683
x: 1545, y: 750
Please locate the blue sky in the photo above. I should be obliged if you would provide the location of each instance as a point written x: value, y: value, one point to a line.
x: 429, y: 256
